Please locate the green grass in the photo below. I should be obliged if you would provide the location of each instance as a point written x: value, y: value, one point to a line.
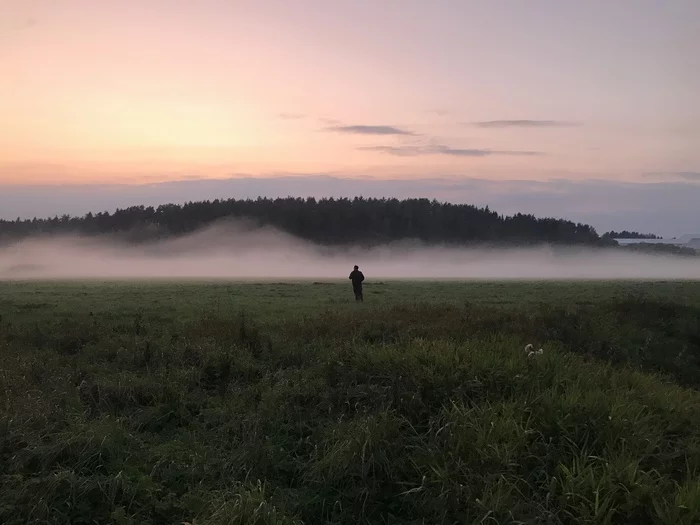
x: 274, y: 403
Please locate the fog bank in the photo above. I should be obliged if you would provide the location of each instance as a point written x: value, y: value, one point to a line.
x: 234, y: 251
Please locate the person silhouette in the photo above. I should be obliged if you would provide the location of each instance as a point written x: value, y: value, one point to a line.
x: 357, y: 277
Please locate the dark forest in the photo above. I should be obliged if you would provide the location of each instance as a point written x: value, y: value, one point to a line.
x: 324, y: 221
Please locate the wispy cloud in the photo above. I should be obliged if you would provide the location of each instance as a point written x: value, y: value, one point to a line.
x: 369, y: 130
x: 524, y: 124
x: 691, y: 176
x: 291, y: 116
x: 414, y: 151
x: 439, y: 112
x: 329, y: 121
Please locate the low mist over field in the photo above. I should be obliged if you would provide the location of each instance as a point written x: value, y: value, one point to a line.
x: 236, y: 251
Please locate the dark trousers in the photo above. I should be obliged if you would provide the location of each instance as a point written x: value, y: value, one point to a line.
x: 358, y: 293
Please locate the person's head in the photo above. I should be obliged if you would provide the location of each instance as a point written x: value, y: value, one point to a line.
x: 357, y: 267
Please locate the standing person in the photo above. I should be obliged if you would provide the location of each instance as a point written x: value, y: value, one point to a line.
x: 357, y: 277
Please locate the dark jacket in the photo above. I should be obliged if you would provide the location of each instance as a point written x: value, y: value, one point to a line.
x: 356, y: 277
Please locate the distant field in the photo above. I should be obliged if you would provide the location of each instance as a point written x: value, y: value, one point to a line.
x: 278, y: 403
x: 274, y: 300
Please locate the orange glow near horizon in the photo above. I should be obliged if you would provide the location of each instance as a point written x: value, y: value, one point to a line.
x: 139, y: 92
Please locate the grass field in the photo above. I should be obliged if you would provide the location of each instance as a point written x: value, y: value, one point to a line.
x: 280, y: 403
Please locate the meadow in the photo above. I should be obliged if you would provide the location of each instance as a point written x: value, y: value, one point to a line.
x: 289, y: 403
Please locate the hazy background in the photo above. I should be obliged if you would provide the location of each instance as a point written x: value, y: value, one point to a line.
x: 558, y: 107
x: 234, y: 250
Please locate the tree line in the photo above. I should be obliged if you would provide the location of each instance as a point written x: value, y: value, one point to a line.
x: 624, y: 234
x: 366, y: 221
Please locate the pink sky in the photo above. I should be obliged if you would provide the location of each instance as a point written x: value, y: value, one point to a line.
x: 155, y: 90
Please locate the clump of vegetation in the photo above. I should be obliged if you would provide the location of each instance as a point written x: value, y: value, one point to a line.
x: 624, y: 234
x: 397, y: 411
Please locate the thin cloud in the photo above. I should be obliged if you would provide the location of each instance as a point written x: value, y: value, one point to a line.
x: 691, y: 176
x: 369, y: 130
x: 438, y: 112
x: 291, y: 116
x: 414, y: 151
x: 524, y: 124
x: 329, y: 121
x: 397, y: 151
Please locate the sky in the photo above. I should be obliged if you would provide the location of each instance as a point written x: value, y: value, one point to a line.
x: 586, y: 110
